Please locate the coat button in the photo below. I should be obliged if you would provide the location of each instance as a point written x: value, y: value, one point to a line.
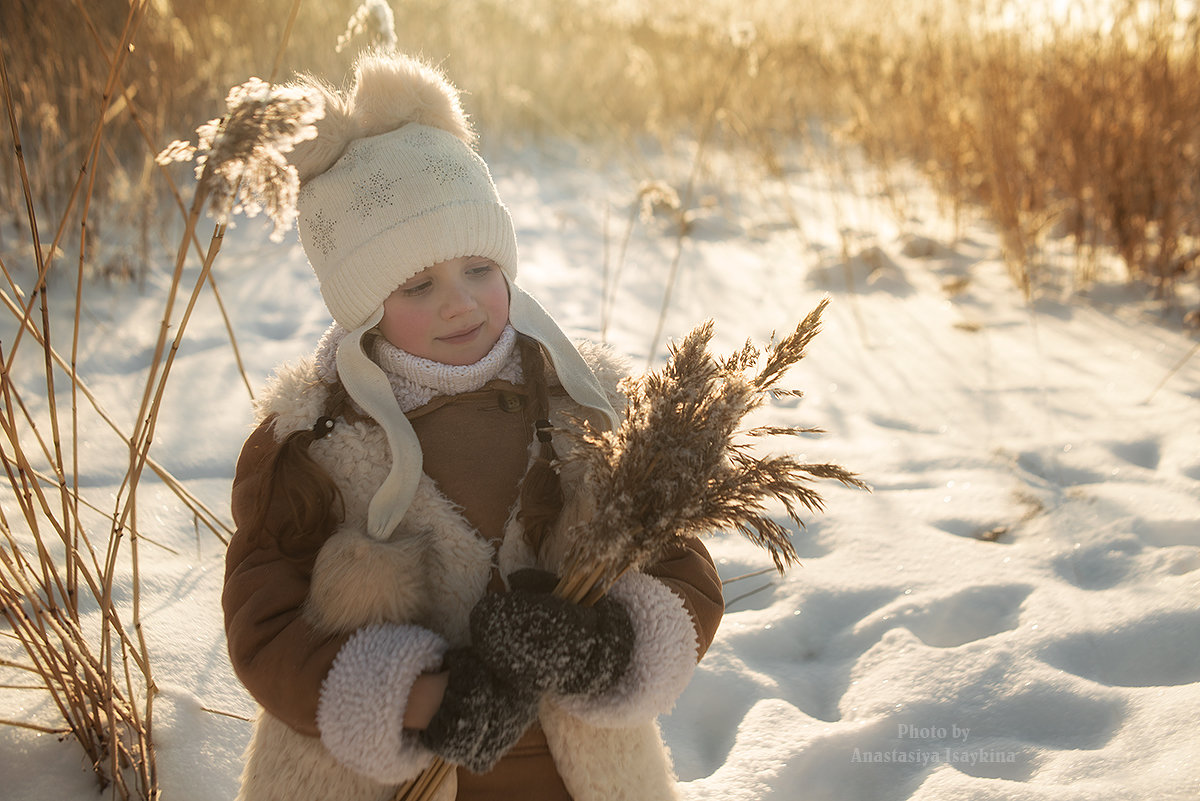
x: 511, y: 401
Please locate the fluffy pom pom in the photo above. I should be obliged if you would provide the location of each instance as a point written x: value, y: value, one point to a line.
x: 389, y: 91
x: 334, y: 132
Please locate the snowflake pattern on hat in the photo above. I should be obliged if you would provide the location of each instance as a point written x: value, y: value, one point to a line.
x: 446, y: 168
x: 372, y: 193
x: 421, y: 137
x: 320, y: 231
x: 358, y: 152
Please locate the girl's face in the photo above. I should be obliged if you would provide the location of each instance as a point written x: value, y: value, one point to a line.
x: 452, y: 312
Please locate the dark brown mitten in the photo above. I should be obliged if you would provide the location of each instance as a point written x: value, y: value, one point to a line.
x: 535, y: 639
x: 481, y: 716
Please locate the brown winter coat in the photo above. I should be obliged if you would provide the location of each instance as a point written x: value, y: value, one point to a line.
x: 475, y: 448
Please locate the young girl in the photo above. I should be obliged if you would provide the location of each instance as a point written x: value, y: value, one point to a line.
x: 399, y: 518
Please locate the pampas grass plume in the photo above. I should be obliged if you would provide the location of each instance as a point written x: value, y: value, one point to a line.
x: 241, y: 162
x: 680, y: 463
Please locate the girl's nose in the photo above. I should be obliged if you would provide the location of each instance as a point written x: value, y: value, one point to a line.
x: 458, y: 300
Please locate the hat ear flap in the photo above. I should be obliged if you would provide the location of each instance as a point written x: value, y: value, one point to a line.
x: 391, y: 91
x: 335, y: 131
x: 577, y: 378
x: 369, y: 387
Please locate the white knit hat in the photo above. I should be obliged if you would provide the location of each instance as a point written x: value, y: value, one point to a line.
x: 391, y: 186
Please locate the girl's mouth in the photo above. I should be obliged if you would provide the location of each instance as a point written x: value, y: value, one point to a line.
x: 462, y: 336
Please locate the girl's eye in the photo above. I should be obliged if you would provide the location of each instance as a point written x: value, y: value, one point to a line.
x: 416, y: 289
x: 480, y: 270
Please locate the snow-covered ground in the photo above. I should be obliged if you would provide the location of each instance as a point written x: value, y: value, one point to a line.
x: 1012, y: 613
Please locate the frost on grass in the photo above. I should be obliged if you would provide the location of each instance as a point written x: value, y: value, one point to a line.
x: 241, y: 162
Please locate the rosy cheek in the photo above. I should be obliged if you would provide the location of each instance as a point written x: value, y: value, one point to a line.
x: 399, y: 323
x: 500, y: 301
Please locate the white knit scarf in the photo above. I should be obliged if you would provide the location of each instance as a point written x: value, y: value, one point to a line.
x: 416, y: 380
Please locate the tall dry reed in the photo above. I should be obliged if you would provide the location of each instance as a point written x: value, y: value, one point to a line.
x: 1087, y: 133
x: 70, y: 588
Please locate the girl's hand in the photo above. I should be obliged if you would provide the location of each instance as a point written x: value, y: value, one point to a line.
x: 538, y: 640
x: 424, y: 699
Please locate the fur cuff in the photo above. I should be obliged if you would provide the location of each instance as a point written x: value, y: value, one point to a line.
x: 363, y: 698
x: 664, y: 657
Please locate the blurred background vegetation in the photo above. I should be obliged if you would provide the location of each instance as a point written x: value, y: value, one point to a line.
x: 1087, y: 129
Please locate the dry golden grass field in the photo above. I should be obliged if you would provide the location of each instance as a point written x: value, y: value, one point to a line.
x: 1090, y: 131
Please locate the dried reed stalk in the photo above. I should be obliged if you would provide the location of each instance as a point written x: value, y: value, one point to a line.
x: 376, y: 20
x: 714, y: 106
x: 174, y: 190
x: 201, y: 510
x: 96, y: 668
x: 132, y: 22
x: 39, y: 597
x: 241, y: 166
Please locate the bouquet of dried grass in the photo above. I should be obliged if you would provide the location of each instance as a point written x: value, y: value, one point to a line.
x: 679, y: 465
